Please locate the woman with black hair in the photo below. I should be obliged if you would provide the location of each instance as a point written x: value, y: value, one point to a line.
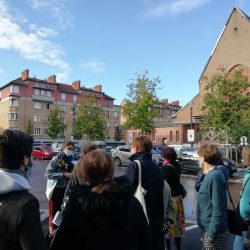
x: 171, y: 171
x: 57, y: 174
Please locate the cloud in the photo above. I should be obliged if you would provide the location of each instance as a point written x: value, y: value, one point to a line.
x: 173, y: 7
x: 34, y: 45
x: 93, y: 66
x: 55, y: 9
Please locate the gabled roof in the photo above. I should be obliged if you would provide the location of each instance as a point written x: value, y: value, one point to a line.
x: 221, y: 34
x: 67, y: 88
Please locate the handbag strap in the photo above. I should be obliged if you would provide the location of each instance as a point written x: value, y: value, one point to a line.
x: 139, y: 172
x: 230, y: 197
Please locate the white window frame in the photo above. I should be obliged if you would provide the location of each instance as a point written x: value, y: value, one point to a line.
x: 13, y: 116
x: 14, y: 102
x: 15, y: 89
x: 74, y: 98
x: 37, y: 131
x: 63, y: 97
x: 37, y: 118
x: 37, y: 105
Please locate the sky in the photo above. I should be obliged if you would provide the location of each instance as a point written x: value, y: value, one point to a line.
x: 108, y: 41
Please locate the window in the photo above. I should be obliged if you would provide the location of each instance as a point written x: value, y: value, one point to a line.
x: 37, y: 92
x: 63, y: 110
x: 74, y: 98
x: 46, y: 130
x: 107, y: 103
x: 37, y: 131
x: 177, y: 136
x: 13, y: 116
x: 153, y: 137
x: 171, y: 136
x: 45, y: 118
x: 107, y: 113
x: 47, y: 105
x: 63, y: 97
x: 41, y: 92
x: 37, y: 118
x: 48, y: 93
x: 14, y: 89
x: 115, y: 115
x: 37, y: 105
x: 14, y: 102
x: 108, y: 124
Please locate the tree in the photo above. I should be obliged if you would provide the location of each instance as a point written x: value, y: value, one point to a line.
x: 226, y: 105
x: 90, y: 122
x: 140, y: 109
x: 55, y: 126
x: 29, y: 127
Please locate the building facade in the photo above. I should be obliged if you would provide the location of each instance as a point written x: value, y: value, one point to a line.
x: 28, y: 100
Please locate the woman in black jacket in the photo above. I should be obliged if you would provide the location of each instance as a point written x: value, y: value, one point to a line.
x: 171, y: 171
x: 101, y: 213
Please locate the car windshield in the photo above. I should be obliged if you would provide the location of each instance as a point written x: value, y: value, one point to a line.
x: 46, y: 148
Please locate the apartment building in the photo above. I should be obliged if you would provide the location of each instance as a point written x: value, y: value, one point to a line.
x: 28, y: 99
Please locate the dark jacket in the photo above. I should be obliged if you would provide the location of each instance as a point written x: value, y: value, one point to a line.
x: 111, y: 220
x: 172, y: 173
x: 152, y: 182
x: 20, y: 227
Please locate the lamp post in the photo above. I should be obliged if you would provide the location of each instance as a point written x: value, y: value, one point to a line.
x: 191, y: 118
x: 73, y: 109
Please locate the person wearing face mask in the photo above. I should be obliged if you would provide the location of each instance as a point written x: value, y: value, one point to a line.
x: 57, y: 174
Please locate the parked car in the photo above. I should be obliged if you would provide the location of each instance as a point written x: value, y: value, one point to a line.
x: 158, y: 148
x: 41, y: 152
x: 188, y: 158
x: 120, y: 154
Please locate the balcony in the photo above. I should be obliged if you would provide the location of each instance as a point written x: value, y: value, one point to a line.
x: 43, y: 98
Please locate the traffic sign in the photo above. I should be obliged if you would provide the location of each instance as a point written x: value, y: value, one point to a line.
x: 190, y: 135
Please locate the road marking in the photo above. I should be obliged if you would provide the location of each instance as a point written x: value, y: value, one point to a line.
x: 191, y: 227
x: 43, y: 214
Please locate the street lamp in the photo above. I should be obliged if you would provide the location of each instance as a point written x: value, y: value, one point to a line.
x: 191, y: 118
x: 73, y: 109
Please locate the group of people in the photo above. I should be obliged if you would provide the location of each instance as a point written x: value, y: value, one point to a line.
x: 100, y: 211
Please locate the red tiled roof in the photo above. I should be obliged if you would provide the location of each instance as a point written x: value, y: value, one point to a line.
x: 67, y: 88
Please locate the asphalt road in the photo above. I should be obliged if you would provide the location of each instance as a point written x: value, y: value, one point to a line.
x: 191, y: 239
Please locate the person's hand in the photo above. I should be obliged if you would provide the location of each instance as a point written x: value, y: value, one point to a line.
x: 67, y: 175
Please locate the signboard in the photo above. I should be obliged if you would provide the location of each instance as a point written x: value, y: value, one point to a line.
x: 190, y: 135
x: 243, y: 140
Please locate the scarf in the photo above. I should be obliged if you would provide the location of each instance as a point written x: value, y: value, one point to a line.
x: 65, y: 162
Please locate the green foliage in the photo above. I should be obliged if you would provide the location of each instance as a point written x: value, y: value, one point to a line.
x: 226, y: 105
x: 90, y: 122
x: 140, y: 109
x: 54, y: 123
x: 29, y: 127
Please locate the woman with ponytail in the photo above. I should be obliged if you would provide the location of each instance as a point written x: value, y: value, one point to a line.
x: 101, y: 213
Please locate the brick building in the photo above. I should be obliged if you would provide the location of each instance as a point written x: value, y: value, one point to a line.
x: 30, y: 99
x: 230, y: 52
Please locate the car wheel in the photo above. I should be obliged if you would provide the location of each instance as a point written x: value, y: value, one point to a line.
x: 117, y: 162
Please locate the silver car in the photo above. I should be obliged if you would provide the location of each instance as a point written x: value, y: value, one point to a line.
x: 121, y: 156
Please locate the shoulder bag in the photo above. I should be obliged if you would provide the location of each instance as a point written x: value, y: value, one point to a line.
x: 140, y: 192
x: 236, y: 224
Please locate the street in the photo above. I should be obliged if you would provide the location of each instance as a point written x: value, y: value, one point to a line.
x: 191, y: 237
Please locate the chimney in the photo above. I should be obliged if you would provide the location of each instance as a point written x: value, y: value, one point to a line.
x: 98, y: 88
x: 25, y: 74
x: 76, y: 84
x: 165, y: 101
x: 176, y: 103
x: 51, y: 79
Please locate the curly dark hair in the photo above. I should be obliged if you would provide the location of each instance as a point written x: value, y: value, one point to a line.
x: 169, y: 154
x: 14, y: 146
